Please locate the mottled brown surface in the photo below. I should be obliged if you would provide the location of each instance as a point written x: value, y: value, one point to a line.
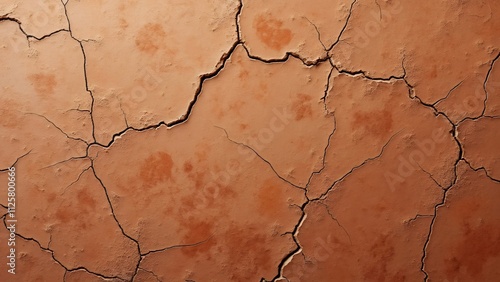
x: 228, y: 140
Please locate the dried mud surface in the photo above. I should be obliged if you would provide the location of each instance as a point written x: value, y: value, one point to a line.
x: 226, y: 140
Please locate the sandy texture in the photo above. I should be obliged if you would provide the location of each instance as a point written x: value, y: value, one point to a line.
x: 228, y: 140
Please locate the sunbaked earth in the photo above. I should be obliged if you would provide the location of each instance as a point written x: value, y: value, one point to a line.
x: 228, y: 140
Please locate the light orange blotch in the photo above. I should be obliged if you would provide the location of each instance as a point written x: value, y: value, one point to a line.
x: 302, y: 106
x: 10, y: 114
x: 150, y: 38
x: 271, y: 32
x: 44, y: 84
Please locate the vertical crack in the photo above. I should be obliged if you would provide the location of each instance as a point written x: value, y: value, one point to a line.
x: 84, y: 69
x: 113, y: 213
x: 434, y: 217
x: 344, y: 27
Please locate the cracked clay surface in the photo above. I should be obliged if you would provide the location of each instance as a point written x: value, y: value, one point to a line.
x: 226, y: 140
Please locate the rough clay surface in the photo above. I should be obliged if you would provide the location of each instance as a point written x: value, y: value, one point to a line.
x: 228, y: 140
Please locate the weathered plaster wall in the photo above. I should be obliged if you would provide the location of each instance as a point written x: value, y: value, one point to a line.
x: 228, y: 140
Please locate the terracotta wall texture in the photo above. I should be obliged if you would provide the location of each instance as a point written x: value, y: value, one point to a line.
x: 250, y: 140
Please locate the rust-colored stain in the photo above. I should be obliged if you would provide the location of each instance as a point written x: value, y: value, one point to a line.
x: 302, y: 106
x: 267, y: 193
x: 377, y: 124
x: 237, y: 140
x: 44, y: 84
x: 272, y: 33
x: 156, y: 168
x: 150, y: 38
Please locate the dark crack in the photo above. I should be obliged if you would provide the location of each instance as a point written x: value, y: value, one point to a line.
x: 76, y: 181
x: 288, y: 257
x: 363, y: 74
x: 318, y: 33
x: 184, y: 118
x: 454, y: 134
x: 434, y: 217
x: 344, y: 27
x: 152, y: 273
x: 430, y: 176
x: 483, y: 169
x: 287, y: 56
x: 447, y: 95
x: 65, y: 161
x: 58, y: 128
x: 258, y: 155
x: 325, y: 151
x: 178, y: 246
x: 51, y: 252
x: 84, y: 69
x: 114, y: 214
x: 296, y: 229
x: 416, y: 217
x: 325, y: 194
x: 486, y: 96
x: 336, y: 220
x: 17, y: 160
x: 7, y: 17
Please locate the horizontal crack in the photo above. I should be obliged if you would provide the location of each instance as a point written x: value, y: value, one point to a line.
x: 49, y: 250
x: 178, y: 246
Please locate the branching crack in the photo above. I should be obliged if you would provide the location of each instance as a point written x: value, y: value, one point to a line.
x: 324, y: 153
x: 344, y: 27
x: 486, y: 96
x: 434, y: 217
x: 152, y: 273
x: 49, y: 250
x: 258, y: 155
x: 483, y: 169
x: 113, y: 211
x: 58, y: 128
x: 325, y: 194
x: 336, y: 220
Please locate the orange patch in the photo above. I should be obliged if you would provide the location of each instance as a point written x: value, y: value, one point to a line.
x: 271, y: 32
x: 44, y: 84
x: 242, y: 241
x: 479, y: 244
x: 85, y: 199
x: 302, y: 107
x: 10, y: 115
x: 269, y: 197
x: 188, y: 167
x: 150, y: 38
x: 381, y: 252
x: 196, y: 232
x: 378, y: 124
x: 64, y: 215
x: 243, y: 74
x: 156, y: 168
